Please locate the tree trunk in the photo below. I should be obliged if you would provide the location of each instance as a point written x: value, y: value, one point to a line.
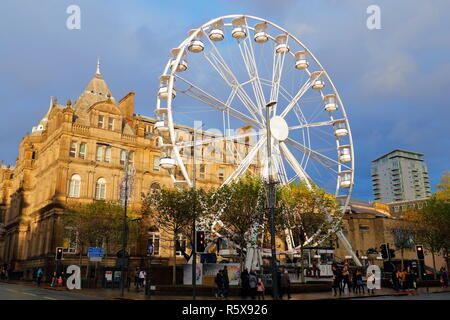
x: 302, y: 272
x: 434, y: 265
x: 174, y: 269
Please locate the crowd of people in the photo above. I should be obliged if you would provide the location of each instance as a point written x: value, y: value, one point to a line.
x: 353, y: 280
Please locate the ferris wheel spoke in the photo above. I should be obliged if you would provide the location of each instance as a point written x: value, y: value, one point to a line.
x: 200, y: 142
x: 297, y: 97
x: 322, y: 159
x: 315, y: 124
x: 280, y: 166
x: 201, y: 95
x: 277, y: 69
x: 219, y: 64
x: 248, y: 54
x: 245, y: 163
x: 295, y: 165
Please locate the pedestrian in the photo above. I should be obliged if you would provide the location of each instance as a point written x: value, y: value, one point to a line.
x: 370, y: 279
x: 60, y: 281
x: 395, y: 281
x: 359, y: 282
x: 285, y: 285
x: 354, y: 284
x: 260, y: 289
x: 315, y: 267
x: 253, y: 283
x: 142, y: 275
x: 244, y: 283
x: 336, y: 279
x: 219, y: 283
x: 443, y: 277
x: 226, y: 282
x: 39, y: 275
x: 136, y: 278
x: 346, y: 278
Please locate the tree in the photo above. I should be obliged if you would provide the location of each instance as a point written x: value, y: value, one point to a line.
x: 173, y: 211
x: 403, y: 237
x: 99, y: 223
x: 305, y: 212
x: 443, y: 192
x: 241, y: 210
x: 434, y: 226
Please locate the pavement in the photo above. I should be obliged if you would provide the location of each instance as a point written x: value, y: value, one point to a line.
x: 21, y: 290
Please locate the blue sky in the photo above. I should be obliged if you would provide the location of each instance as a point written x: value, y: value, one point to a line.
x: 394, y: 81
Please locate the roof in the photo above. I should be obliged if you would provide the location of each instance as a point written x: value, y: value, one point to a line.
x: 385, y: 155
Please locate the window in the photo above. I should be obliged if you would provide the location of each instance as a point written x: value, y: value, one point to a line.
x: 131, y: 157
x: 154, y: 187
x: 74, y: 186
x: 70, y: 240
x: 101, y: 122
x: 100, y: 189
x: 82, y: 153
x: 110, y: 123
x: 396, y: 208
x: 99, y: 154
x: 221, y: 174
x: 108, y: 154
x: 156, y: 161
x: 181, y: 244
x: 73, y: 149
x: 154, y: 241
x: 202, y: 171
x: 123, y: 156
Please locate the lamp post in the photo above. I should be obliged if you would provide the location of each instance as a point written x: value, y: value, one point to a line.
x: 271, y: 185
x: 194, y: 245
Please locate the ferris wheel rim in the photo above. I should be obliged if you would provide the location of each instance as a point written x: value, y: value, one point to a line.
x: 182, y: 47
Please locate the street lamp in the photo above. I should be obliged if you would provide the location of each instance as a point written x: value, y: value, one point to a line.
x: 271, y: 185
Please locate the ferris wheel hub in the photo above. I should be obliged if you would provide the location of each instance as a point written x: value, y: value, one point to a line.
x: 279, y: 128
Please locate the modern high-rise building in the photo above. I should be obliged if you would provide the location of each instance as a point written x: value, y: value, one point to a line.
x: 399, y: 176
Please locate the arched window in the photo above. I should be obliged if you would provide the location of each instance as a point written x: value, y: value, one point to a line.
x: 100, y: 189
x: 154, y: 187
x: 74, y: 186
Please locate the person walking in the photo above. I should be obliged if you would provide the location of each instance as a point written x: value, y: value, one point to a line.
x: 336, y: 279
x: 142, y: 275
x: 39, y: 275
x: 370, y: 279
x: 244, y: 283
x: 253, y: 283
x: 359, y: 282
x: 226, y: 282
x: 219, y: 283
x: 260, y: 289
x: 354, y: 284
x: 443, y: 277
x: 136, y: 278
x: 285, y: 285
x: 346, y: 278
x: 395, y: 280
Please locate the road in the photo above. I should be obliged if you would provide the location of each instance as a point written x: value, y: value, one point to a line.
x: 430, y: 296
x: 20, y: 292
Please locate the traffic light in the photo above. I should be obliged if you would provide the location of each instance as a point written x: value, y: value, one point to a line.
x: 200, y: 241
x: 392, y: 253
x: 384, y: 250
x: 419, y: 250
x: 59, y: 253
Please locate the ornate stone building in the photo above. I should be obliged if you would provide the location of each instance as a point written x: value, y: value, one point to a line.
x: 77, y: 153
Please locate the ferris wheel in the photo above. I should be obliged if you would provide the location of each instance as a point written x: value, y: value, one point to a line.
x: 225, y: 74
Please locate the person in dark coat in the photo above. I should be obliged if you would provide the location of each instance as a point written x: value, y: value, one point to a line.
x: 226, y: 282
x: 244, y: 283
x: 285, y: 285
x: 253, y: 283
x: 337, y: 278
x: 219, y: 283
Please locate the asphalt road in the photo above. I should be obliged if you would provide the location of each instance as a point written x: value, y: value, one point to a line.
x: 430, y: 296
x: 20, y: 292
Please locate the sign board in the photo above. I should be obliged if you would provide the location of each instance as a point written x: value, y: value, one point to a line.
x: 108, y: 276
x: 187, y: 273
x: 95, y: 254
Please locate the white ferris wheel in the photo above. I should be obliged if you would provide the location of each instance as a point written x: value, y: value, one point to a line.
x: 224, y: 74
